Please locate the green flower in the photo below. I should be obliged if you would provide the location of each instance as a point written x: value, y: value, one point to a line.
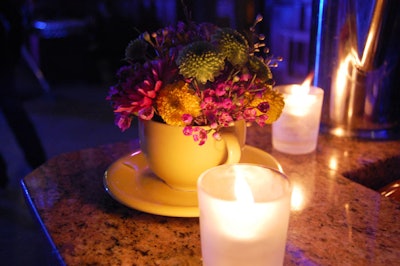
x: 200, y: 60
x: 232, y: 45
x: 262, y: 71
x: 136, y: 50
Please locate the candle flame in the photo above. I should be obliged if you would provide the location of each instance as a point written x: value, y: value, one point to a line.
x: 304, y: 88
x: 307, y: 82
x: 306, y: 85
x: 242, y: 190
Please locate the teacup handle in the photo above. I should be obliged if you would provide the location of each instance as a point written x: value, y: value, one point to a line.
x: 233, y: 148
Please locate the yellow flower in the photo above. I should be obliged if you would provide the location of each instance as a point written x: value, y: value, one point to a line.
x: 275, y: 101
x: 176, y: 100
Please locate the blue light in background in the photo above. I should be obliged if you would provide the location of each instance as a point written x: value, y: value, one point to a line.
x: 318, y: 42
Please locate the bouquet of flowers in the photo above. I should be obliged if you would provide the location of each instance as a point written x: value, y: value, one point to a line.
x: 194, y: 75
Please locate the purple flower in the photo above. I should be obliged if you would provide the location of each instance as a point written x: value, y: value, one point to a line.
x: 123, y: 121
x: 263, y: 107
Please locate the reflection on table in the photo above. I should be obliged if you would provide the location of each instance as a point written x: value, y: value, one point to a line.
x: 86, y: 226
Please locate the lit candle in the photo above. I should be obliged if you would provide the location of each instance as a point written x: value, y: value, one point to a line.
x: 296, y: 98
x: 296, y: 130
x: 244, y: 214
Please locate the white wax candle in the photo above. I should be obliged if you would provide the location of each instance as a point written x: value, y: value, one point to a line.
x: 296, y: 130
x: 243, y: 231
x: 299, y: 101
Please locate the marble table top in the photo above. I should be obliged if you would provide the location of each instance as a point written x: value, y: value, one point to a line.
x: 334, y: 221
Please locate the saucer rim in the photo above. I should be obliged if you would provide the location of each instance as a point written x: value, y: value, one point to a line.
x: 140, y: 203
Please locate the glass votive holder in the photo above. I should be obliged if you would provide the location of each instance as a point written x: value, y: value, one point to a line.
x: 244, y: 215
x: 296, y: 130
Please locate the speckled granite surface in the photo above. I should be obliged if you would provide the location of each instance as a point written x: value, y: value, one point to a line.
x: 334, y: 221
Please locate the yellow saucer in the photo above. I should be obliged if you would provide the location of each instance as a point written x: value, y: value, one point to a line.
x: 129, y: 181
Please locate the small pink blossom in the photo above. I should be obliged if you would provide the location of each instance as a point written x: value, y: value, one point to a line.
x: 146, y: 113
x: 187, y: 119
x: 123, y: 121
x: 225, y: 119
x: 227, y: 103
x: 260, y: 120
x: 220, y: 90
x: 188, y: 130
x: 250, y: 114
x: 217, y: 135
x: 202, y: 136
x: 207, y: 103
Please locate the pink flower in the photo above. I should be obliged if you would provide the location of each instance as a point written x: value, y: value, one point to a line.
x: 123, y: 121
x: 187, y: 119
x: 137, y: 88
x: 220, y: 90
x: 260, y: 120
x: 200, y: 135
x: 217, y: 135
x: 188, y: 130
x: 227, y: 103
x: 146, y: 113
x: 250, y: 114
x: 225, y: 119
x: 207, y: 103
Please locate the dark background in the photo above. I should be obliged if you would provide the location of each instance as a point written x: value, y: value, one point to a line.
x: 78, y: 45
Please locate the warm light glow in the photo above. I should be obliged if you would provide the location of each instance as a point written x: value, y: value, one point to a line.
x: 333, y: 163
x: 304, y: 88
x: 297, y: 201
x: 299, y: 98
x: 243, y: 192
x: 338, y: 110
x: 307, y: 81
x: 245, y: 222
x: 349, y: 221
x: 340, y: 132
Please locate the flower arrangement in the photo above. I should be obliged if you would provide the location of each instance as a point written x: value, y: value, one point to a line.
x: 194, y: 75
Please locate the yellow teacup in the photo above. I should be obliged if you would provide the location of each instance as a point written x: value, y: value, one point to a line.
x: 178, y: 160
